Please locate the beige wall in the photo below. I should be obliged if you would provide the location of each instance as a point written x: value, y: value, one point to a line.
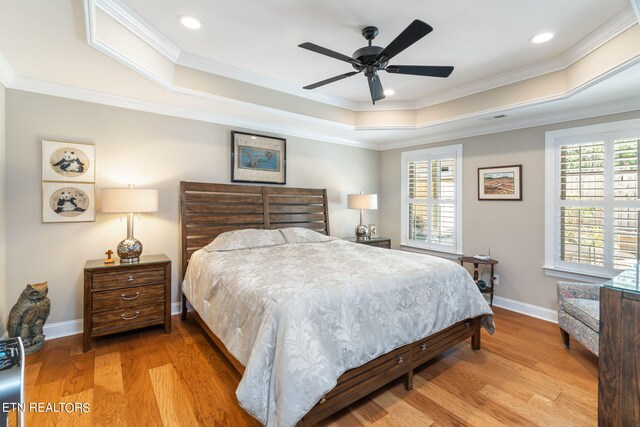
x: 3, y: 272
x: 513, y: 230
x: 151, y: 151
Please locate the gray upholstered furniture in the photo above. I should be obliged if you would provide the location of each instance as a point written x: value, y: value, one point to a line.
x: 579, y: 313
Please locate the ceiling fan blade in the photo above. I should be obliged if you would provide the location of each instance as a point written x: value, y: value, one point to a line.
x: 331, y: 80
x: 375, y: 87
x: 328, y: 52
x: 420, y: 70
x: 414, y: 32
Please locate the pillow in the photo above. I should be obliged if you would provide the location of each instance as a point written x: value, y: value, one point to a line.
x: 304, y: 235
x: 245, y: 239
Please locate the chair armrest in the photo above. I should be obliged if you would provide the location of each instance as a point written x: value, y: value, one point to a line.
x: 590, y: 291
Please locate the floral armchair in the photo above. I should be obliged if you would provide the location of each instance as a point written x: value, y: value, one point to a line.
x: 579, y: 313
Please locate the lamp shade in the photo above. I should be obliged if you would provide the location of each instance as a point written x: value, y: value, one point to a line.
x: 362, y: 201
x: 126, y: 200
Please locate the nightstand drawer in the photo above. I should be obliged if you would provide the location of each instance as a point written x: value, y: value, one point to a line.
x: 128, y: 279
x: 384, y: 244
x: 129, y: 297
x: 124, y: 318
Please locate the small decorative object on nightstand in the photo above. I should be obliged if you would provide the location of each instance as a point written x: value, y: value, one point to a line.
x: 108, y: 259
x: 362, y: 202
x: 485, y: 288
x: 380, y: 242
x: 121, y: 297
x: 129, y: 200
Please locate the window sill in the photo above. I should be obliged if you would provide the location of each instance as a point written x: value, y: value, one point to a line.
x: 575, y: 275
x: 420, y: 250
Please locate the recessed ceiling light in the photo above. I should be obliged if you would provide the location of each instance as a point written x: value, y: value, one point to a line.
x: 542, y: 38
x: 190, y: 22
x: 389, y: 92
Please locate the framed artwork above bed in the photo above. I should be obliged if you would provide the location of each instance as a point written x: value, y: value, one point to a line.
x: 258, y: 158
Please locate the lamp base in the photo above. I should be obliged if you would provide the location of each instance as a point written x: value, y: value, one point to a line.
x: 362, y: 232
x: 129, y: 250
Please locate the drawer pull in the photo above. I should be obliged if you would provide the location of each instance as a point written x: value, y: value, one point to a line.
x: 324, y: 399
x: 399, y: 359
x: 423, y: 347
x: 126, y: 298
x: 124, y: 316
x: 130, y: 279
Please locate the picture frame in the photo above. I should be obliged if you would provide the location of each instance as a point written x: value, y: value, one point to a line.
x: 500, y: 183
x: 68, y: 161
x: 258, y: 158
x: 373, y: 230
x: 68, y: 202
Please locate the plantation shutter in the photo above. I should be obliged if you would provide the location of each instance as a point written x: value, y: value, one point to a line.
x: 625, y: 218
x: 431, y: 201
x: 598, y: 202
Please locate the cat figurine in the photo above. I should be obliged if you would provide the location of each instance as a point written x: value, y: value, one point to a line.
x: 28, y: 316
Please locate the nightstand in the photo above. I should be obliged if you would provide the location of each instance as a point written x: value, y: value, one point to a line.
x: 121, y: 297
x: 380, y: 242
x: 476, y: 276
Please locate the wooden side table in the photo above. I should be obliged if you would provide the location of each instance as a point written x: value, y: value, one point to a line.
x: 121, y: 297
x: 380, y: 242
x: 476, y: 275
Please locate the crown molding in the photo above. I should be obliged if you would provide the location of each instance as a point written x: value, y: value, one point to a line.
x: 605, y: 33
x: 134, y: 23
x: 115, y: 54
x: 87, y: 95
x: 7, y: 74
x: 623, y: 106
x: 636, y: 7
x: 131, y: 21
x: 215, y: 67
x: 69, y: 92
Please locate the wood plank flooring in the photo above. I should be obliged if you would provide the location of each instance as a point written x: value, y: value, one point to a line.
x: 522, y: 376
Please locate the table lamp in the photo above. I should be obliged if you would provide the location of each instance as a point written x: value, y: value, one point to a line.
x: 129, y: 201
x: 362, y: 202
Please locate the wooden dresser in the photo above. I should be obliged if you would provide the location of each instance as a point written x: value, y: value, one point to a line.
x: 380, y: 242
x: 122, y: 297
x: 619, y: 361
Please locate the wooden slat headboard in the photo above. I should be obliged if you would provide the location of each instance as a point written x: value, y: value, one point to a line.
x: 207, y: 210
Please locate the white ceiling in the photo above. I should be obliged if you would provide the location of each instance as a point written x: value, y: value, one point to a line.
x: 44, y: 48
x: 481, y: 39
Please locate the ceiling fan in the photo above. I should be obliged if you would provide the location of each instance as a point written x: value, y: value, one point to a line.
x: 372, y: 59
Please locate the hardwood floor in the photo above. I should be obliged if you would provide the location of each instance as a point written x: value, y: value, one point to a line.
x: 522, y: 376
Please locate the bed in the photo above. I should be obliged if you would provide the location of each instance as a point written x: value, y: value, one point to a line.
x: 340, y: 334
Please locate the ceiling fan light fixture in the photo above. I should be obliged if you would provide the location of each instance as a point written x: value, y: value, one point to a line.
x: 542, y: 37
x: 190, y: 22
x: 389, y: 92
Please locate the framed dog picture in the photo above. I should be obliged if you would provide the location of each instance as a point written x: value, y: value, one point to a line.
x: 68, y: 161
x: 258, y: 158
x: 68, y: 202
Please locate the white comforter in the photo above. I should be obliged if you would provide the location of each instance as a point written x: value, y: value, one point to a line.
x: 298, y: 315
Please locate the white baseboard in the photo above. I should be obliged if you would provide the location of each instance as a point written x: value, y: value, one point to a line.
x: 527, y: 309
x: 73, y: 327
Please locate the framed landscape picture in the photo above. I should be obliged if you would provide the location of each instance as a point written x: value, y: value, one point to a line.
x: 68, y: 161
x: 67, y: 202
x: 500, y: 183
x: 258, y: 158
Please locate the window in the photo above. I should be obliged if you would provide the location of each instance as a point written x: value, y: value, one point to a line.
x: 431, y: 207
x: 592, y: 198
